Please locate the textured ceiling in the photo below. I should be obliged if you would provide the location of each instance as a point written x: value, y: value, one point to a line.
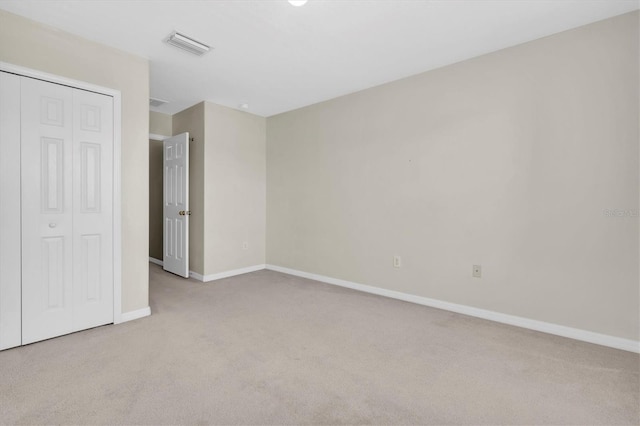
x: 276, y: 57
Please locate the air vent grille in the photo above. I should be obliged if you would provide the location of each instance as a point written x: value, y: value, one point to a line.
x: 154, y: 102
x: 187, y: 43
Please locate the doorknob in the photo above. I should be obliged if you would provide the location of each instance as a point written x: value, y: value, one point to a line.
x: 181, y: 212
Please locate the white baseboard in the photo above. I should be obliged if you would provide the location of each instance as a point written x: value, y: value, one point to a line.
x: 545, y: 327
x: 225, y: 274
x: 134, y: 315
x: 156, y: 261
x: 218, y: 276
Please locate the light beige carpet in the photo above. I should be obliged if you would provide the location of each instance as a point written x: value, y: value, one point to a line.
x: 268, y: 348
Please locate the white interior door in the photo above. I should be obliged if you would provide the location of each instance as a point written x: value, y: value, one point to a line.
x: 47, y: 222
x: 67, y: 212
x: 176, y: 205
x: 92, y: 209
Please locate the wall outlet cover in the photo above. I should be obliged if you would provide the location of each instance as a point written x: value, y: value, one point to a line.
x: 477, y: 271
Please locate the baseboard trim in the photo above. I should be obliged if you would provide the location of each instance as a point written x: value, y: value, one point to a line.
x: 134, y: 315
x: 545, y: 327
x: 156, y: 261
x: 226, y: 274
x: 218, y: 276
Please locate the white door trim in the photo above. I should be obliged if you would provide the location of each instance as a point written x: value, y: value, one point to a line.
x: 117, y: 181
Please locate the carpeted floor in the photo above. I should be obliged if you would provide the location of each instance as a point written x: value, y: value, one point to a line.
x: 268, y: 348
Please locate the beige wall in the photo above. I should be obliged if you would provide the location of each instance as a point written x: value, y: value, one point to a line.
x: 227, y: 187
x: 192, y: 120
x: 508, y: 160
x: 159, y: 124
x: 235, y: 189
x: 26, y: 43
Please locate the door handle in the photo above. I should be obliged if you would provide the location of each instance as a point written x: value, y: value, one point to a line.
x: 184, y: 213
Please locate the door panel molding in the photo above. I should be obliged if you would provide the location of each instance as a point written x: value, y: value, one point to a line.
x: 93, y: 216
x: 46, y: 144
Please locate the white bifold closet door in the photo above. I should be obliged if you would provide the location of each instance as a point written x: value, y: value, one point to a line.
x: 66, y: 217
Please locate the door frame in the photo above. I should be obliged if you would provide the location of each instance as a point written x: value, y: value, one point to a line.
x: 117, y: 176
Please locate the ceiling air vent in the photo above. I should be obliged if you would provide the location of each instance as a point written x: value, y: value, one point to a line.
x: 187, y: 43
x: 154, y: 102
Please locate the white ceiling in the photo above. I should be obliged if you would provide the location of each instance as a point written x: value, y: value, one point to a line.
x: 276, y: 57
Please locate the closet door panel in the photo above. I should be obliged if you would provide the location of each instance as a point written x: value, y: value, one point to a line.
x: 47, y: 216
x: 10, y: 241
x: 56, y: 208
x: 92, y: 209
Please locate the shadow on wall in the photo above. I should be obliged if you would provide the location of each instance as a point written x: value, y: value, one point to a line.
x: 155, y: 199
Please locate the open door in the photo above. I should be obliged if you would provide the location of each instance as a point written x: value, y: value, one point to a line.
x: 176, y: 205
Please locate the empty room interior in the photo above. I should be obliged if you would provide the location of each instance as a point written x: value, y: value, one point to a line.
x: 320, y: 212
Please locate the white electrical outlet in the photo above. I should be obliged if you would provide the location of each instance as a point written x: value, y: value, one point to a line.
x: 477, y: 271
x: 397, y: 262
x: 245, y: 246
